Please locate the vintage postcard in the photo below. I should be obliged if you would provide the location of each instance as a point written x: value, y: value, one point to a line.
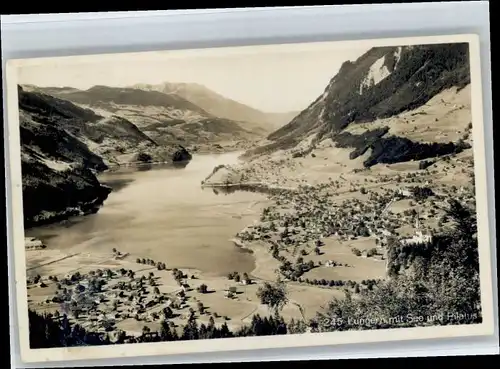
x: 249, y: 197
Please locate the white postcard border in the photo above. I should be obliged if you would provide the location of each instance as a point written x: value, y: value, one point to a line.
x: 252, y: 343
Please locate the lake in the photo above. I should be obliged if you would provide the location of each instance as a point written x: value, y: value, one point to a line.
x: 162, y: 213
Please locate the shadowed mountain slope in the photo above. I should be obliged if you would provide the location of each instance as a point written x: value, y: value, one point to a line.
x: 63, y: 146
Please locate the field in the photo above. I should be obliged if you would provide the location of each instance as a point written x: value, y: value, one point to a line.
x: 235, y: 311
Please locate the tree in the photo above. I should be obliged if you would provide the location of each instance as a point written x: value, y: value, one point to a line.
x: 211, y: 323
x: 462, y: 217
x: 356, y: 251
x: 190, y: 331
x: 165, y: 332
x: 167, y: 312
x: 200, y: 307
x: 224, y: 331
x: 203, y: 288
x: 273, y: 295
x: 46, y: 332
x: 120, y: 337
x: 144, y: 157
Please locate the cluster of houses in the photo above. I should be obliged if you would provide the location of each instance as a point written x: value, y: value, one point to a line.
x: 313, y: 216
x: 32, y: 243
x: 100, y: 299
x: 310, y: 215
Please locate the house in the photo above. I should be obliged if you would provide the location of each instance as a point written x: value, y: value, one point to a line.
x: 120, y: 256
x: 404, y: 192
x: 418, y: 239
x: 330, y: 263
x: 114, y: 316
x: 32, y: 243
x: 153, y: 315
x: 385, y: 232
x: 180, y: 293
x: 150, y: 335
x: 230, y: 292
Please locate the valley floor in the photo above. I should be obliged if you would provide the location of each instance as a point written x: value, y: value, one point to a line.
x: 326, y: 232
x: 131, y: 315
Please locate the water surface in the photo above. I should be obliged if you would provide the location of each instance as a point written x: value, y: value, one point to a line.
x: 162, y: 213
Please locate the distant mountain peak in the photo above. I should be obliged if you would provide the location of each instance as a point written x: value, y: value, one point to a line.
x: 219, y: 105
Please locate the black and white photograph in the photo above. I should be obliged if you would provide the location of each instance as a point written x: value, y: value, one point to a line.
x: 249, y: 196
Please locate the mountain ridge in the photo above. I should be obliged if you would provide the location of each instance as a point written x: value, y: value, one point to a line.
x: 166, y: 118
x: 101, y: 95
x: 383, y: 82
x: 64, y: 146
x: 219, y: 105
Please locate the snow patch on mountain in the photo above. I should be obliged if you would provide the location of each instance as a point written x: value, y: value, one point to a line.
x: 397, y: 56
x: 377, y: 72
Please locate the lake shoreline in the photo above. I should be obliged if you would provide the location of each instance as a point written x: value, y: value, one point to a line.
x: 235, y: 211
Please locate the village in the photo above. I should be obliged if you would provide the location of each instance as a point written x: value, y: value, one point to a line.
x: 135, y: 300
x: 320, y: 239
x: 365, y: 215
